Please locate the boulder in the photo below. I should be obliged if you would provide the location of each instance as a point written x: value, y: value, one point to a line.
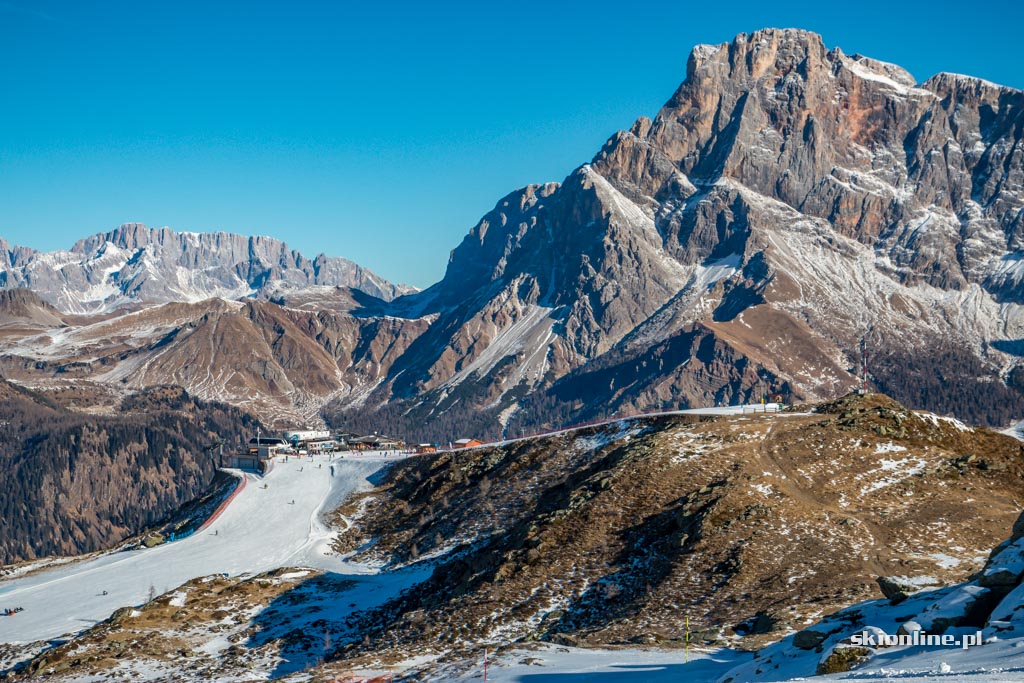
x: 808, y: 639
x: 842, y: 658
x: 999, y: 576
x: 152, y: 540
x: 896, y: 588
x: 908, y: 628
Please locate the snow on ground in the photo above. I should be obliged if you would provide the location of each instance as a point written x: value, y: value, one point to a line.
x: 936, y: 419
x: 531, y: 331
x: 746, y: 409
x: 551, y: 664
x: 1016, y: 430
x: 996, y: 662
x: 28, y: 567
x: 262, y: 529
x: 896, y: 471
x: 624, y: 431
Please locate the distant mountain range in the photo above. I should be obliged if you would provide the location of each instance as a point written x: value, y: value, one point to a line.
x: 134, y: 264
x: 786, y: 202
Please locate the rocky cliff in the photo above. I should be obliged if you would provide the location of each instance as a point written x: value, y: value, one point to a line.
x: 787, y: 201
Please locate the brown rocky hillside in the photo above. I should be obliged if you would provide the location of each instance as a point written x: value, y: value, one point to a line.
x: 752, y: 526
x: 788, y: 200
x: 748, y: 525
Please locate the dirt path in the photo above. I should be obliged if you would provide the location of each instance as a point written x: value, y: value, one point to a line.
x: 792, y: 483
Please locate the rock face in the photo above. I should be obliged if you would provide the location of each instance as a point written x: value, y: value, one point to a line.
x: 786, y: 202
x: 22, y: 308
x: 136, y: 264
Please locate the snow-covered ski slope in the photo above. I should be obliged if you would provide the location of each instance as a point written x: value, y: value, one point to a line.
x: 260, y: 530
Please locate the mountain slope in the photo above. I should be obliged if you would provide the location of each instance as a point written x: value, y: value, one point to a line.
x: 748, y: 525
x: 679, y: 531
x: 22, y: 309
x: 78, y: 482
x: 787, y: 201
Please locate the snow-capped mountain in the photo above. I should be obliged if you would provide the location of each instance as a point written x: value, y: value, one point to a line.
x: 135, y: 264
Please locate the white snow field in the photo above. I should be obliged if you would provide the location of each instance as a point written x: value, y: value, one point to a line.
x: 554, y: 664
x: 261, y: 529
x: 997, y: 662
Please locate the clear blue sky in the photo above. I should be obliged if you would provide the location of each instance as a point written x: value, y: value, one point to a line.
x: 376, y: 131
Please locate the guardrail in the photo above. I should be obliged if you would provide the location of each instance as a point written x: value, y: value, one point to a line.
x: 224, y: 504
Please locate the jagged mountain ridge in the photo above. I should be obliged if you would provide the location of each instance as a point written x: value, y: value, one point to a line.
x: 133, y: 264
x: 786, y: 201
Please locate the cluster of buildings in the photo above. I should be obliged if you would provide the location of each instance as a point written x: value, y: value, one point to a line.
x: 261, y: 449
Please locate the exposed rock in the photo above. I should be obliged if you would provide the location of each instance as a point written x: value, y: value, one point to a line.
x: 808, y: 639
x: 805, y: 170
x: 896, y: 588
x: 999, y: 576
x: 152, y: 540
x: 842, y: 658
x: 786, y: 201
x: 909, y: 628
x: 1018, y: 529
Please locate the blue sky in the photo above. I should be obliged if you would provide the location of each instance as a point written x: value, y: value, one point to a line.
x: 379, y: 133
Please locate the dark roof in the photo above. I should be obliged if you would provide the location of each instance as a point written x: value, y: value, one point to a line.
x: 373, y: 439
